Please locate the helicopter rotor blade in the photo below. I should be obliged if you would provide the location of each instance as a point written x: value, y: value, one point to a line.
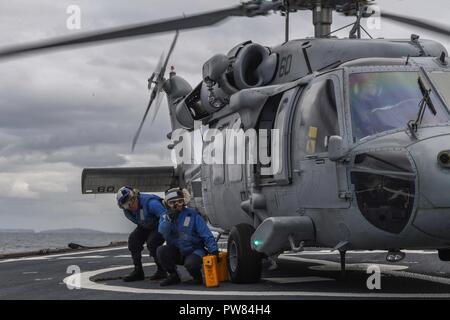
x: 157, y: 89
x: 159, y: 99
x: 249, y: 9
x: 159, y: 65
x: 155, y: 75
x: 138, y: 132
x: 172, y: 46
x: 420, y: 23
x: 161, y: 80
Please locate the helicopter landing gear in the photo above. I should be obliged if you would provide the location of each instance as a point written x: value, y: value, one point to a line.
x: 342, y: 255
x: 342, y: 248
x: 444, y: 254
x: 244, y: 264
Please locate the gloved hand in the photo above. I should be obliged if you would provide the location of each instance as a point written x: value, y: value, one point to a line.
x: 172, y: 214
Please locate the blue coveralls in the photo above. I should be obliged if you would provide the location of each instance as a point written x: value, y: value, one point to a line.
x: 146, y: 219
x: 186, y: 239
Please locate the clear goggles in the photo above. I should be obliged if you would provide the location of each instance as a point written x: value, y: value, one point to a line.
x: 174, y: 202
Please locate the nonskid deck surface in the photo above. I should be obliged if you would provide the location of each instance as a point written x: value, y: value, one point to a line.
x: 310, y: 274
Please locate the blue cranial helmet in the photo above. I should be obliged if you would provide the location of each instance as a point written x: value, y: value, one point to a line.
x: 174, y: 194
x: 124, y: 195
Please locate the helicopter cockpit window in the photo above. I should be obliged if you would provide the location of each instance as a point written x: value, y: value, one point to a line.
x: 382, y: 101
x: 442, y: 82
x: 385, y: 188
x: 318, y: 118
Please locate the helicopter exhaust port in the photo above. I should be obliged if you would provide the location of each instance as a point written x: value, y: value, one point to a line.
x: 275, y: 234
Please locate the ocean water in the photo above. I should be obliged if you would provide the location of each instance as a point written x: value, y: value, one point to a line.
x: 11, y: 242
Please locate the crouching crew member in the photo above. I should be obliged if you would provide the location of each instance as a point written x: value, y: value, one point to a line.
x: 144, y: 210
x: 187, y: 235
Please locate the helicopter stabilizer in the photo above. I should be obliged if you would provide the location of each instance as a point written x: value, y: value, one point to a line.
x: 146, y: 179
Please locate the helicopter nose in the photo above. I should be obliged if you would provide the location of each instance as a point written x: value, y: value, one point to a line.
x: 432, y: 158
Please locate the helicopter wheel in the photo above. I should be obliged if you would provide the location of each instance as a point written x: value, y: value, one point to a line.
x: 244, y: 264
x: 444, y: 254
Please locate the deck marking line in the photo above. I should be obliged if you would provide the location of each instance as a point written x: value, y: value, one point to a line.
x: 62, y: 255
x: 86, y: 283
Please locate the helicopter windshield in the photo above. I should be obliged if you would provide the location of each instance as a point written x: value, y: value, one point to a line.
x: 382, y: 101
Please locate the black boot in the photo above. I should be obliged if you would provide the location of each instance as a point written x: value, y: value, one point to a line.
x: 158, y: 275
x: 173, y: 278
x: 136, y: 275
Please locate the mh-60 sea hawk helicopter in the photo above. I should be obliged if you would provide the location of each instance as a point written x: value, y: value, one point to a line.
x: 365, y: 136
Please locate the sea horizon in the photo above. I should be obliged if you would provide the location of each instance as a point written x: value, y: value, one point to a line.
x: 17, y: 242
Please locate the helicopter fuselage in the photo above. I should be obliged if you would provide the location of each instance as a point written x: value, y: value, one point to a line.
x: 388, y: 189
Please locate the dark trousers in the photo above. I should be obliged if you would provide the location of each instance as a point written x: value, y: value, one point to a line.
x: 169, y: 256
x: 136, y: 242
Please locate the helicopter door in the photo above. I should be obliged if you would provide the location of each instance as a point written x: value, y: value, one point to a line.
x: 222, y: 183
x: 318, y: 180
x: 235, y: 159
x: 236, y: 173
x: 213, y: 175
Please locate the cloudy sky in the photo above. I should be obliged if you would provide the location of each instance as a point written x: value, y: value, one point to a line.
x: 66, y: 110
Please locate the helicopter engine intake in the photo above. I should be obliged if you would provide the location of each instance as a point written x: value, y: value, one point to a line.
x: 248, y: 65
x: 253, y: 66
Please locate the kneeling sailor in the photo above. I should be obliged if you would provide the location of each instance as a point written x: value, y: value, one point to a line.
x: 187, y: 235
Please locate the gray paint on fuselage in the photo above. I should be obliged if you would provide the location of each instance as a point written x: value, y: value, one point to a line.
x: 334, y: 225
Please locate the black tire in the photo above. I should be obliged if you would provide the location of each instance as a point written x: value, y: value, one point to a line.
x: 244, y: 264
x: 444, y: 254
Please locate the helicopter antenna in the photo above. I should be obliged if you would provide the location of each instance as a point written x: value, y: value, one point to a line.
x: 355, y: 33
x: 361, y: 12
x: 368, y: 34
x: 344, y: 27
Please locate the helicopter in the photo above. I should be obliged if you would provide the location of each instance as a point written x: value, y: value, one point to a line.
x: 356, y: 132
